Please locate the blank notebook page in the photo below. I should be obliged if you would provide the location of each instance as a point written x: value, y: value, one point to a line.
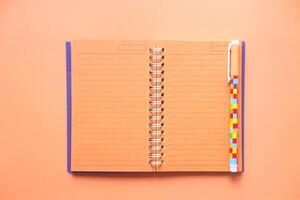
x: 196, y: 106
x: 110, y: 93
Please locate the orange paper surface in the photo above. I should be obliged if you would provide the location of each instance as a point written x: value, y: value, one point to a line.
x: 33, y: 100
x: 110, y: 106
x: 197, y: 106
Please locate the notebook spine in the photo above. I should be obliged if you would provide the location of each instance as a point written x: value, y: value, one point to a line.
x: 156, y: 108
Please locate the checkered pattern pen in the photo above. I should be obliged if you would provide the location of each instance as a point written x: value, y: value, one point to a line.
x: 233, y: 127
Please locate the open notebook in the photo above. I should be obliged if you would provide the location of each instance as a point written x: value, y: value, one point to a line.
x: 155, y: 106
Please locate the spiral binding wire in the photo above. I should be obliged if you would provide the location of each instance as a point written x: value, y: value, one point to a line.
x: 156, y: 109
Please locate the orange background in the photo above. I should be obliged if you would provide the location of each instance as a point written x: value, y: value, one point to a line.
x: 33, y: 100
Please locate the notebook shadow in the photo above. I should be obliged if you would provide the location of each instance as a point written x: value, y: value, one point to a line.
x: 235, y: 177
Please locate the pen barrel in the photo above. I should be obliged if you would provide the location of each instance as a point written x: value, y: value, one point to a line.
x: 235, y: 59
x: 235, y: 105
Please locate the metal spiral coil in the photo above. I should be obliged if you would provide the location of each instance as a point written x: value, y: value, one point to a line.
x: 155, y: 102
x: 151, y: 117
x: 154, y: 140
x: 156, y: 147
x: 157, y: 50
x: 156, y: 64
x: 155, y: 95
x: 156, y: 87
x: 156, y: 125
x: 156, y: 109
x: 157, y: 57
x: 154, y: 80
x: 156, y: 72
x: 156, y: 162
x: 156, y: 155
x: 156, y: 133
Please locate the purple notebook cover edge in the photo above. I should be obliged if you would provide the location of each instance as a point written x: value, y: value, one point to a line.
x: 69, y: 104
x: 243, y: 103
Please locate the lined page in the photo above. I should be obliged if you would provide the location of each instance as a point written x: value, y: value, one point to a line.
x: 196, y: 106
x: 110, y: 105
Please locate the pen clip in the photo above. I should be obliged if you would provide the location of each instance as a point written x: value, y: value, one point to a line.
x: 233, y: 42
